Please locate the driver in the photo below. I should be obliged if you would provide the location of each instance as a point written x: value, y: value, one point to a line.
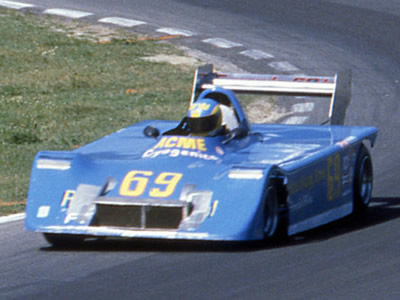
x: 205, y: 118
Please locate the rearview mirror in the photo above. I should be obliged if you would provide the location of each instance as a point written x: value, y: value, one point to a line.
x: 151, y: 131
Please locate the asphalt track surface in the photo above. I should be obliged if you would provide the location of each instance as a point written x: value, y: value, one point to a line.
x: 348, y: 259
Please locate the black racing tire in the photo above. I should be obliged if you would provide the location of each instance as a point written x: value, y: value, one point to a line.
x: 363, y: 182
x: 63, y: 240
x: 271, y: 212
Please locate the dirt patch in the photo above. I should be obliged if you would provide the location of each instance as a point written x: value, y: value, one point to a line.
x: 91, y: 32
x: 103, y: 34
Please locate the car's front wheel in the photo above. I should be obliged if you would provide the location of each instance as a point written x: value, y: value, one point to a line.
x: 363, y: 181
x: 271, y: 212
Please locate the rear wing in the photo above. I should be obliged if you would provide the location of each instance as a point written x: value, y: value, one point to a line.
x: 336, y: 88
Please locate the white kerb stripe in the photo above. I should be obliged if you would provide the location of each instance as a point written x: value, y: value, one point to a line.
x: 15, y: 5
x: 12, y: 218
x: 121, y: 21
x: 69, y: 13
x: 174, y: 31
x: 222, y: 43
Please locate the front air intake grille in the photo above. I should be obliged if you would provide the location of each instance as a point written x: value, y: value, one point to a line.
x: 163, y: 217
x: 144, y: 214
x: 119, y: 216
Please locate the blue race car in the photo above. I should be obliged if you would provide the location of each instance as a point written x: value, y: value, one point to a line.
x: 211, y: 176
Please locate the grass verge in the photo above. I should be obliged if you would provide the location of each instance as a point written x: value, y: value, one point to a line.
x: 66, y: 84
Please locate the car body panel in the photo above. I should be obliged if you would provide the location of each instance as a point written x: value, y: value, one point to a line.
x: 305, y: 155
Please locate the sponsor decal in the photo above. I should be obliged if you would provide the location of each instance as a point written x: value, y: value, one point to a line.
x: 306, y: 182
x: 336, y: 175
x: 219, y: 150
x: 68, y: 197
x: 182, y: 142
x: 177, y: 146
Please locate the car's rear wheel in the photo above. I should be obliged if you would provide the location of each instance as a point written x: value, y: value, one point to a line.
x: 271, y: 212
x: 363, y: 181
x: 63, y: 240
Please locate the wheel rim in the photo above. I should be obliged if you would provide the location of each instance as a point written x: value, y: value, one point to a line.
x: 365, y: 181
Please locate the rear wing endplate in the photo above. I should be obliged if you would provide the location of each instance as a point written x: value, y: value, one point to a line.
x: 337, y: 88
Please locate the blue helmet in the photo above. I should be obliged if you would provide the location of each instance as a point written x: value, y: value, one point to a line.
x: 204, y: 117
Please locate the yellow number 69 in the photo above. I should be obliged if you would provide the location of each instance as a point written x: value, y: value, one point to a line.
x: 135, y: 183
x: 170, y: 180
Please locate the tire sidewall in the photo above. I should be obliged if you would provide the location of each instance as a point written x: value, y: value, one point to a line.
x: 362, y: 192
x: 271, y: 212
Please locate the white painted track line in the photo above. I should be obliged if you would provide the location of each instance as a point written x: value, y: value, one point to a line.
x: 15, y: 5
x: 222, y: 43
x: 12, y: 218
x: 303, y: 107
x: 283, y: 66
x: 256, y: 54
x: 69, y: 13
x: 174, y: 31
x: 121, y: 21
x: 295, y: 120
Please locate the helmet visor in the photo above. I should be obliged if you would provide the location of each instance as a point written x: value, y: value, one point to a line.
x: 204, y: 124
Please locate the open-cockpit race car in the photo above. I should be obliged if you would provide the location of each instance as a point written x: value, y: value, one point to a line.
x: 212, y: 175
